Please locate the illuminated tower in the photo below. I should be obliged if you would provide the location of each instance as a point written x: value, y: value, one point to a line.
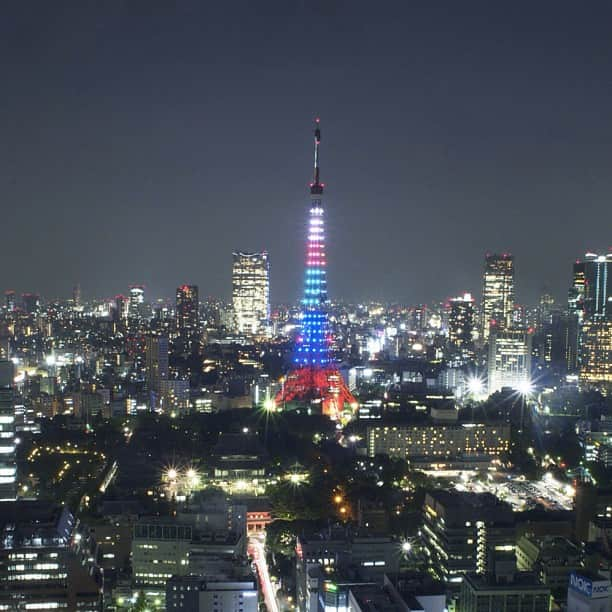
x: 314, y: 378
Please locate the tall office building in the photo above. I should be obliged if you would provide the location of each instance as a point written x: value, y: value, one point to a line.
x: 463, y: 532
x: 575, y: 296
x: 597, y: 286
x: 497, y: 293
x: 8, y: 464
x: 251, y: 292
x: 76, y: 297
x: 461, y: 326
x: 10, y: 300
x: 595, y: 337
x: 188, y: 316
x: 31, y: 302
x: 156, y: 365
x: 136, y: 303
x: 596, y: 353
x: 509, y: 359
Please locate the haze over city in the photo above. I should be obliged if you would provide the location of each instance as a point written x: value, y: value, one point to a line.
x: 144, y: 141
x: 305, y: 306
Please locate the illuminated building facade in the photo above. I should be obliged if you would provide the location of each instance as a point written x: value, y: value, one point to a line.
x: 595, y: 339
x: 509, y: 359
x: 461, y: 326
x: 437, y: 441
x: 221, y: 594
x: 188, y: 316
x: 10, y: 300
x: 575, y: 297
x: 136, y: 302
x: 596, y: 353
x: 251, y: 292
x: 8, y: 463
x: 497, y: 293
x: 462, y: 531
x: 39, y: 567
x: 314, y: 378
x: 597, y: 286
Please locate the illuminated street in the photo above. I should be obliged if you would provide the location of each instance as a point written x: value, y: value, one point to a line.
x: 257, y: 553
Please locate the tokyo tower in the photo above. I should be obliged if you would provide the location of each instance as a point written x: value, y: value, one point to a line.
x: 314, y: 378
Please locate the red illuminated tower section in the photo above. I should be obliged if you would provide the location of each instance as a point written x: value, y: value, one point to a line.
x: 315, y: 379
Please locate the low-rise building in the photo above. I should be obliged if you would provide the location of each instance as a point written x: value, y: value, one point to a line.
x: 551, y: 558
x: 436, y: 441
x: 220, y: 594
x: 523, y: 593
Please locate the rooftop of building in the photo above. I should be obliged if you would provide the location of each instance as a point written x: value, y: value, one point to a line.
x: 459, y: 506
x: 521, y: 581
x: 237, y: 446
x: 342, y: 533
x: 375, y: 598
x: 34, y: 523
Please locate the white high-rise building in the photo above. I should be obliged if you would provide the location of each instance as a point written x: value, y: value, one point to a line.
x: 497, y: 293
x: 509, y: 360
x: 251, y: 292
x: 8, y: 464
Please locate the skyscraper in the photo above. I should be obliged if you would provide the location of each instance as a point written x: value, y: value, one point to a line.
x: 575, y: 297
x: 136, y: 303
x: 31, y: 302
x: 509, y: 359
x: 188, y: 316
x: 251, y: 292
x: 597, y: 286
x: 461, y: 326
x: 156, y: 365
x: 595, y: 338
x: 596, y: 353
x: 8, y: 465
x: 76, y: 297
x: 10, y: 300
x: 497, y: 293
x: 314, y: 378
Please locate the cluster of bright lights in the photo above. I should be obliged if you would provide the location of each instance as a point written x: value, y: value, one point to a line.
x: 313, y: 345
x: 476, y: 386
x: 525, y: 388
x: 184, y: 479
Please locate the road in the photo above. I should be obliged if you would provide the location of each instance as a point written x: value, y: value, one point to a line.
x: 257, y: 553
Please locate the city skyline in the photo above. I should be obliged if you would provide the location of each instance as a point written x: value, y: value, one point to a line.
x: 445, y: 141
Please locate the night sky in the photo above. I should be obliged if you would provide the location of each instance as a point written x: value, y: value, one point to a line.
x: 142, y: 142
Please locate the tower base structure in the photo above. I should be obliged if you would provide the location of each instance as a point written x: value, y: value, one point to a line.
x: 323, y: 385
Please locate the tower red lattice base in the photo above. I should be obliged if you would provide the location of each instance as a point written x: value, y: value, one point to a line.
x: 317, y: 383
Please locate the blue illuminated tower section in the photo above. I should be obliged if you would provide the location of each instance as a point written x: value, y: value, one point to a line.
x: 312, y: 346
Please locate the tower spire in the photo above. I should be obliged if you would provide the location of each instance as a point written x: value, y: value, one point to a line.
x: 316, y: 188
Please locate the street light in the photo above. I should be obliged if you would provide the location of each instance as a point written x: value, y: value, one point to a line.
x: 476, y: 387
x: 269, y: 405
x: 524, y: 389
